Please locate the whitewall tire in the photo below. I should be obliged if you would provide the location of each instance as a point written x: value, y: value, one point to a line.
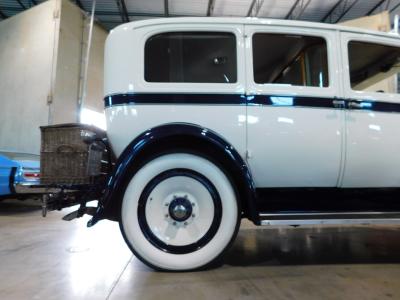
x: 179, y: 212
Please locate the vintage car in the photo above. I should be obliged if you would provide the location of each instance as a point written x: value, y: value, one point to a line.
x: 20, y: 169
x: 217, y: 119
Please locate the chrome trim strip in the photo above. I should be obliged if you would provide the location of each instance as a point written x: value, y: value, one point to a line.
x: 34, y: 188
x: 262, y: 215
x: 389, y: 221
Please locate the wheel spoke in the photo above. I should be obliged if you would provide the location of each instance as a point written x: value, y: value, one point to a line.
x: 170, y: 233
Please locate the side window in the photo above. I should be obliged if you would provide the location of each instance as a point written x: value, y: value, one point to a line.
x: 197, y: 57
x: 373, y: 67
x: 290, y: 59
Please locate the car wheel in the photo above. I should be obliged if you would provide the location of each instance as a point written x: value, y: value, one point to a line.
x: 179, y: 212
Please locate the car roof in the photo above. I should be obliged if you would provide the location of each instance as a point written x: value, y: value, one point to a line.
x: 19, y: 156
x: 250, y: 21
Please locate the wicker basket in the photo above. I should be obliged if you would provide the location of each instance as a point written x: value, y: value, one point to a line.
x: 71, y: 154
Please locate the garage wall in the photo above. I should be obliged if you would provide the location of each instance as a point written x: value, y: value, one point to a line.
x: 72, y: 45
x: 26, y: 58
x: 94, y: 97
x: 379, y: 22
x: 66, y: 88
x: 42, y: 53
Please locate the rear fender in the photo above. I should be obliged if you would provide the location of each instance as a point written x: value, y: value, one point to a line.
x: 172, y: 138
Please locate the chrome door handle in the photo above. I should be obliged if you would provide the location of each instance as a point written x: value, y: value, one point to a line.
x: 338, y: 103
x: 353, y: 104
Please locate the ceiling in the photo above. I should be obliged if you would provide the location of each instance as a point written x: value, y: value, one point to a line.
x: 114, y: 12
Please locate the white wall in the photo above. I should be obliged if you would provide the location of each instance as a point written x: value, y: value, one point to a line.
x: 66, y: 88
x: 41, y: 53
x: 26, y: 57
x: 73, y: 40
x: 380, y: 22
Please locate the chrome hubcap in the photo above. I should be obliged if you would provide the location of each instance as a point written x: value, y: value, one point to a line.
x: 180, y: 209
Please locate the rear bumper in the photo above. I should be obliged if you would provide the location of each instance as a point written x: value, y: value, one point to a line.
x: 57, y: 196
x: 37, y: 188
x: 30, y: 188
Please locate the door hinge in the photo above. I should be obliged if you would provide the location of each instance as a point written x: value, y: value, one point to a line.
x: 49, y: 99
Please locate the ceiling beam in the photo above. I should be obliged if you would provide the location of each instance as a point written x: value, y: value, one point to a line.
x: 13, y: 9
x: 254, y: 8
x: 297, y: 9
x: 21, y: 4
x: 116, y: 13
x: 166, y: 8
x: 123, y: 11
x: 251, y: 8
x: 150, y: 15
x: 394, y: 8
x: 331, y: 10
x: 347, y: 10
x: 210, y: 7
x: 79, y: 3
x: 302, y: 9
x: 375, y: 7
x: 292, y: 9
x: 3, y: 15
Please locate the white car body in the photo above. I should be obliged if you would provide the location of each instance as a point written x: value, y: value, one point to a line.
x: 283, y: 145
x: 217, y: 119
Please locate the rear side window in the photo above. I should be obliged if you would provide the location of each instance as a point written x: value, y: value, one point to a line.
x: 290, y: 59
x: 202, y: 57
x: 374, y: 67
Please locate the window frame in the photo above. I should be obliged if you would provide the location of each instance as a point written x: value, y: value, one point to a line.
x: 346, y: 38
x: 205, y: 33
x: 237, y: 87
x: 300, y: 57
x: 328, y: 35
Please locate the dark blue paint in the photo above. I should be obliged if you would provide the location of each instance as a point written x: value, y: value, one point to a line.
x: 144, y: 98
x: 241, y: 99
x: 279, y: 200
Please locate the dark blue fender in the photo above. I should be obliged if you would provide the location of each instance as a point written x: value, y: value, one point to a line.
x: 173, y: 138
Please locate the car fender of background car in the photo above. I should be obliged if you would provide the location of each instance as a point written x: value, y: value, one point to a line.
x: 17, y: 169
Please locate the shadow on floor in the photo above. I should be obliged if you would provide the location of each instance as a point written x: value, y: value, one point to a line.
x: 263, y: 246
x: 9, y: 207
x: 315, y: 245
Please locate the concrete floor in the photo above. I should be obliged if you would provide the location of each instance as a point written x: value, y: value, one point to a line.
x: 53, y: 259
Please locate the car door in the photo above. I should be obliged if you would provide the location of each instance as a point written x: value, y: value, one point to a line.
x: 176, y: 73
x: 294, y: 121
x: 370, y: 84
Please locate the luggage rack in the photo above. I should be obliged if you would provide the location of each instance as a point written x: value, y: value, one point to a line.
x: 74, y: 162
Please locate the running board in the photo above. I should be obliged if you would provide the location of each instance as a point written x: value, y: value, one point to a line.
x: 330, y: 218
